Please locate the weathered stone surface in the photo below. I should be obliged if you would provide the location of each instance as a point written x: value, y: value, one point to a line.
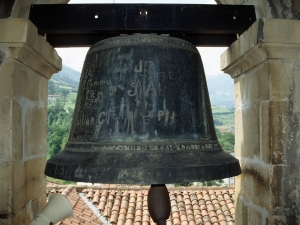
x: 24, y: 44
x: 276, y: 30
x: 24, y: 78
x: 253, y: 91
x: 21, y: 8
x: 24, y: 215
x: 6, y: 206
x: 5, y: 130
x: 256, y: 216
x: 295, y: 87
x: 28, y: 181
x: 18, y: 139
x: 247, y: 134
x: 279, y: 121
x: 23, y: 31
x: 264, y: 117
x: 257, y: 176
x: 267, y: 100
x: 6, y: 8
x: 281, y: 79
x: 26, y: 61
x: 276, y: 188
x: 241, y: 215
x: 284, y: 9
x: 6, y: 71
x: 266, y: 41
x: 35, y: 119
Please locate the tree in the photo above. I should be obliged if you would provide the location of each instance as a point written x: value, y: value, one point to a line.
x: 226, y: 139
x: 185, y: 184
x: 52, y: 88
x: 59, y: 124
x: 64, y: 92
x: 218, y: 122
x: 211, y: 183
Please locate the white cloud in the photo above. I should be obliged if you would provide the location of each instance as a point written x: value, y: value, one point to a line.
x: 211, y: 59
x: 73, y: 57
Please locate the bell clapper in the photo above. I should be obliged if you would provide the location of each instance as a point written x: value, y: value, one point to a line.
x: 159, y: 204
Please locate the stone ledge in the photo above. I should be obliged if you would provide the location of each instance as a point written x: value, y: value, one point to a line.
x: 25, y: 45
x: 28, y: 56
x: 265, y: 39
x: 257, y: 55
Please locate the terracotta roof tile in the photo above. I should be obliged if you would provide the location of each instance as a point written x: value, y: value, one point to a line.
x: 206, y: 219
x: 128, y: 205
x: 223, y: 223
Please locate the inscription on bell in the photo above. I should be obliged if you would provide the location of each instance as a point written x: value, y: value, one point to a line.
x: 134, y: 94
x: 158, y: 147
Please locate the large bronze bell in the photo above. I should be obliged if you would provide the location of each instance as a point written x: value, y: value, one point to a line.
x: 142, y: 116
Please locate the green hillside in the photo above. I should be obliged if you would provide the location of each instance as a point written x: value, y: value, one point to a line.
x: 67, y: 78
x: 65, y: 85
x: 223, y: 117
x: 221, y: 90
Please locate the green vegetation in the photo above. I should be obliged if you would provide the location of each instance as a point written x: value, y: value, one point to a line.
x: 184, y: 184
x: 223, y: 117
x: 223, y: 120
x: 57, y: 181
x: 226, y: 140
x: 60, y: 115
x: 211, y: 183
x: 204, y: 183
x: 59, y: 124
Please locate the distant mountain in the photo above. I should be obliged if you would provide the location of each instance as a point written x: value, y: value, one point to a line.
x: 67, y: 77
x: 221, y: 90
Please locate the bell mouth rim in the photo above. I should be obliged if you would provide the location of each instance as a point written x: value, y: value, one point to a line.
x: 128, y: 167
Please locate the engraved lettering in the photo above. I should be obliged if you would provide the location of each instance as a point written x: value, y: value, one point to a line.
x: 101, y: 118
x: 172, y: 117
x: 121, y: 87
x: 151, y: 114
x: 140, y: 68
x: 112, y: 90
x: 167, y: 117
x: 160, y: 114
x: 135, y: 86
x: 150, y: 87
x: 78, y: 173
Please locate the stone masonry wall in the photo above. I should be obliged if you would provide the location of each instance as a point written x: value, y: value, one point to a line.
x: 265, y: 65
x: 27, y: 61
x: 279, y: 9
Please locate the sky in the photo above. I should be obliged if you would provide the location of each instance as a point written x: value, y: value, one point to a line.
x: 74, y: 57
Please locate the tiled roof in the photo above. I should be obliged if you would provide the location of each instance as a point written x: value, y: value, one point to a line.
x: 127, y: 205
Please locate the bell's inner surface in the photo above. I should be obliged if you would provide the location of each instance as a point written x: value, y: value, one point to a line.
x: 143, y: 116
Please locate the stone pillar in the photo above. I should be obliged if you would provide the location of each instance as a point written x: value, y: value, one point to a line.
x: 283, y: 9
x: 27, y: 61
x: 265, y: 66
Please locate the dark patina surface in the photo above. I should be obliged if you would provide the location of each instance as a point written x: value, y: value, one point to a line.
x: 142, y: 116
